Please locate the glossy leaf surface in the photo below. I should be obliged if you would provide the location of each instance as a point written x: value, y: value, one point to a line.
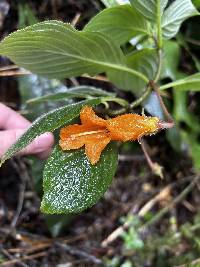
x: 71, y: 184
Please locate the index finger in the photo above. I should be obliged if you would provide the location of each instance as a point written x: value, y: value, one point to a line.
x: 10, y: 119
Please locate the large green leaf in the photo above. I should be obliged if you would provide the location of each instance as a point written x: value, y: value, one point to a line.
x: 145, y: 61
x: 191, y: 83
x: 74, y: 92
x: 48, y: 123
x: 175, y: 14
x: 150, y: 8
x: 121, y: 23
x: 71, y: 184
x: 56, y: 49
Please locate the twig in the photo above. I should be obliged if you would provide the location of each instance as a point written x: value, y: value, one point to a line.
x: 10, y: 257
x: 23, y: 174
x: 177, y: 200
x: 9, y: 67
x: 14, y: 73
x: 79, y: 253
x: 192, y: 41
x: 191, y: 263
x: 120, y: 230
x: 149, y: 205
x: 25, y: 258
x: 115, y: 234
x: 154, y: 166
x: 76, y: 19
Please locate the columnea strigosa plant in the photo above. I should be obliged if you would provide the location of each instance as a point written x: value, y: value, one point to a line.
x: 124, y: 42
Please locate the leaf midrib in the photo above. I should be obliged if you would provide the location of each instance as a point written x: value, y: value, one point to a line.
x: 101, y: 63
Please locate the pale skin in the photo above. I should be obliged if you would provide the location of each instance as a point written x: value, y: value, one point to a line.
x: 13, y: 125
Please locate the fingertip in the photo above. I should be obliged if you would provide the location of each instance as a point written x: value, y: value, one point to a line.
x: 45, y: 140
x: 41, y: 145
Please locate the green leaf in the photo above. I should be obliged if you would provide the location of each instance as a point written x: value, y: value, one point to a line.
x: 171, y: 59
x: 57, y: 223
x: 191, y: 83
x: 26, y: 15
x: 56, y: 49
x: 175, y: 14
x: 145, y: 61
x: 34, y: 86
x: 71, y: 184
x: 48, y: 123
x: 149, y: 8
x: 111, y: 3
x: 194, y: 148
x: 123, y: 21
x: 196, y: 3
x: 75, y: 92
x: 181, y: 112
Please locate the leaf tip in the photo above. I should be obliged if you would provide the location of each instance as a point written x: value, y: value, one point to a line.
x: 43, y: 208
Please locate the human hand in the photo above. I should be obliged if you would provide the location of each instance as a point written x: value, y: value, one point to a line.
x: 12, y: 126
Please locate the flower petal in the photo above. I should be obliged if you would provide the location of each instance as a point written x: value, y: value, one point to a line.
x: 131, y: 127
x: 95, y: 145
x: 75, y: 136
x: 88, y: 117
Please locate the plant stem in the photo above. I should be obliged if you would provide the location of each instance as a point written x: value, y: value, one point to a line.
x: 117, y: 112
x: 141, y: 98
x: 173, y: 84
x: 117, y: 100
x: 159, y: 25
x: 157, y: 76
x: 132, y: 105
x: 166, y: 112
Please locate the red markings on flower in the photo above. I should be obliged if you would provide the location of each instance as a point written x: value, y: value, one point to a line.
x: 95, y: 133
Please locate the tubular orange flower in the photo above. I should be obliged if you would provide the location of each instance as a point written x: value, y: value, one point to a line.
x: 95, y: 133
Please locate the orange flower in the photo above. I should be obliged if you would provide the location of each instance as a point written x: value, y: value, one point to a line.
x: 95, y: 133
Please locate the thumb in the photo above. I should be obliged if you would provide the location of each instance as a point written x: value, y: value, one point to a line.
x: 41, y: 145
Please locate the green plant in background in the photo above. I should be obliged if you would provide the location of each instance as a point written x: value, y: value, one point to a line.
x: 130, y: 44
x: 131, y: 238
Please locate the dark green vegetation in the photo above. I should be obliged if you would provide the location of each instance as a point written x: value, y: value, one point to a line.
x: 166, y: 234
